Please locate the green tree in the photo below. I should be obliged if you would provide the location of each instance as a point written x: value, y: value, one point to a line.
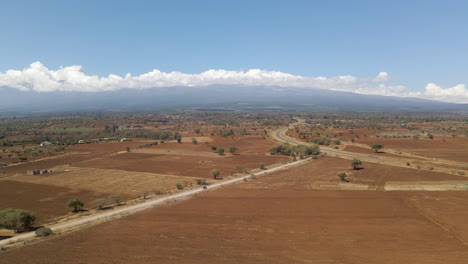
x: 355, y: 163
x: 213, y: 148
x: 128, y: 149
x: 343, y: 176
x: 16, y: 219
x: 76, y: 203
x: 221, y: 151
x: 377, y: 147
x: 232, y: 149
x: 44, y: 231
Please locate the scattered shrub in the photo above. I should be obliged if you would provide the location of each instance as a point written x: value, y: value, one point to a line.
x: 100, y: 202
x: 44, y: 231
x: 215, y: 173
x: 355, y: 163
x: 76, y: 203
x: 342, y: 176
x: 221, y: 151
x: 115, y: 198
x: 201, y: 181
x: 16, y: 219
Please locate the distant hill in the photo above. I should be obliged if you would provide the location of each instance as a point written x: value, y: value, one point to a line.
x: 214, y: 97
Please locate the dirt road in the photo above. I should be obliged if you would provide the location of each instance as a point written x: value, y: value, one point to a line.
x: 142, y: 206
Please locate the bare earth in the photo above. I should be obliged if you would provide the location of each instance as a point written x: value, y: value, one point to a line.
x: 278, y: 219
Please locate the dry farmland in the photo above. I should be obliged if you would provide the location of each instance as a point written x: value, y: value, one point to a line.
x: 280, y: 218
x: 97, y: 170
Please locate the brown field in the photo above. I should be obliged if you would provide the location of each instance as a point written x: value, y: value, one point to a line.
x: 370, y: 151
x: 251, y: 145
x: 46, y: 201
x: 126, y: 183
x: 452, y: 148
x: 46, y: 163
x: 190, y: 166
x: 279, y: 219
x: 322, y: 174
x: 107, y: 147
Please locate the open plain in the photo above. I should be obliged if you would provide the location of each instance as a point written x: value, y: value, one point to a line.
x: 277, y: 218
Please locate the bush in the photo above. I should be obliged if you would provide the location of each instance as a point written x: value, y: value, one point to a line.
x: 100, y: 202
x: 377, y: 147
x: 116, y: 198
x: 16, y: 219
x: 76, y: 203
x: 262, y: 166
x: 194, y: 141
x: 461, y: 173
x: 215, y: 173
x: 355, y: 163
x: 179, y: 186
x: 158, y: 192
x: 232, y: 149
x: 44, y: 231
x: 213, y: 148
x: 343, y: 176
x: 201, y: 181
x: 221, y: 151
x: 300, y: 150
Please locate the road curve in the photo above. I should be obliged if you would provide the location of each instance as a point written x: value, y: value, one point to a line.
x: 286, y: 140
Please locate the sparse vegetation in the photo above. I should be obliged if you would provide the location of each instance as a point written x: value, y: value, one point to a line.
x: 262, y: 166
x: 75, y: 203
x: 100, y: 203
x: 16, y: 219
x: 343, y: 176
x: 356, y: 163
x: 221, y: 151
x: 215, y: 173
x: 201, y: 181
x: 44, y: 231
x: 232, y: 149
x: 377, y: 147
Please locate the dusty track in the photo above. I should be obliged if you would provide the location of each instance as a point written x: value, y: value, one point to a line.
x: 280, y: 136
x: 142, y: 206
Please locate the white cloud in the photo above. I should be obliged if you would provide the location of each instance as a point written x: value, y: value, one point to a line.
x: 455, y: 94
x: 381, y: 77
x: 39, y: 78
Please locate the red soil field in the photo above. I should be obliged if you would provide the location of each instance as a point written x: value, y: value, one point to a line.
x: 256, y: 225
x: 325, y: 170
x: 245, y: 144
x: 452, y: 148
x: 45, y: 163
x: 107, y: 147
x: 191, y: 166
x: 369, y: 151
x: 46, y: 201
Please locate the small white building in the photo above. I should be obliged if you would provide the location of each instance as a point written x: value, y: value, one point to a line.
x: 45, y: 143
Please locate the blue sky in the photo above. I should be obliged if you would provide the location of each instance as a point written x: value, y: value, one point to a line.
x: 416, y: 42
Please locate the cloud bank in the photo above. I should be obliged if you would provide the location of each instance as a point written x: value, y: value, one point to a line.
x: 40, y: 79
